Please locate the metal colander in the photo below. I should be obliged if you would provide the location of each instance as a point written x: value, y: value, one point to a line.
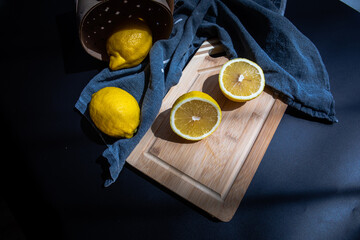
x: 98, y: 19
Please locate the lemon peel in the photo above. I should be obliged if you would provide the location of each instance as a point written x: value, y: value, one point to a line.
x: 241, y: 80
x: 129, y: 44
x: 115, y: 112
x: 195, y: 115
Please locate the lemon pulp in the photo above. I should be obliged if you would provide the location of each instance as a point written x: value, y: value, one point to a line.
x: 241, y: 80
x: 195, y: 115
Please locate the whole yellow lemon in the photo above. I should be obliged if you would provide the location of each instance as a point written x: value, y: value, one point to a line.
x: 115, y: 112
x: 129, y: 44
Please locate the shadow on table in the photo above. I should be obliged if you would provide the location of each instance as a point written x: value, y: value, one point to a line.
x: 74, y: 56
x: 297, y: 197
x: 172, y: 194
x: 298, y: 114
x: 35, y: 216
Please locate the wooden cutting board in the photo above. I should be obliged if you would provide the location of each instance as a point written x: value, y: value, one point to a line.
x: 213, y: 173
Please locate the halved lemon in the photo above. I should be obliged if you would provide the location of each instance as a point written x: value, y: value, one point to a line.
x: 195, y: 115
x: 241, y: 80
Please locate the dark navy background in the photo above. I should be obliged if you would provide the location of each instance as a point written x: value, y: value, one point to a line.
x: 307, y: 185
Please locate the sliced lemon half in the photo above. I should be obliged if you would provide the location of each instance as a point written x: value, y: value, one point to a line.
x: 195, y: 115
x: 241, y: 80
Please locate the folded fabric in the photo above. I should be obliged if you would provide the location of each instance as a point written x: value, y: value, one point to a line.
x: 253, y: 29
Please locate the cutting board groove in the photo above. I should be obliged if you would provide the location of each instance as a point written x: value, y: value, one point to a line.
x: 215, y: 172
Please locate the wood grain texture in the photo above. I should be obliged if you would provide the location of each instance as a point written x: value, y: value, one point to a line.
x: 213, y: 173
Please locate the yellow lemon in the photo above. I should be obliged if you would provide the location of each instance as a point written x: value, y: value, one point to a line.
x: 129, y: 44
x: 115, y: 112
x: 195, y: 115
x: 241, y: 80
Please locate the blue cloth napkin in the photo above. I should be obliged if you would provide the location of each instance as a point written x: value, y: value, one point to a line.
x: 254, y: 29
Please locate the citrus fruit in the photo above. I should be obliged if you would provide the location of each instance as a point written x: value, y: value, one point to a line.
x: 195, y: 115
x: 115, y: 112
x: 241, y: 80
x: 129, y: 44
